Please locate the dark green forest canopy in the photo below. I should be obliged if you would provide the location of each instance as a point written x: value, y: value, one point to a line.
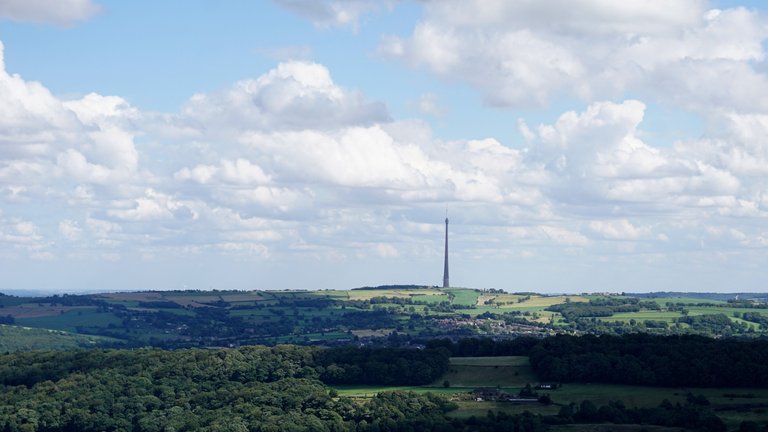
x: 642, y: 359
x: 258, y: 388
x: 280, y: 388
x: 381, y: 366
x: 247, y: 389
x: 637, y: 359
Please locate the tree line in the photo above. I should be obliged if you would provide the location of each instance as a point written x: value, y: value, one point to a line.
x: 636, y: 358
x: 254, y: 388
x: 387, y: 366
x: 642, y: 359
x: 258, y: 388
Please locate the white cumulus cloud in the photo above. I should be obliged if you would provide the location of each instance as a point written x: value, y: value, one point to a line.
x: 61, y: 12
x: 334, y: 13
x: 526, y: 53
x: 294, y: 96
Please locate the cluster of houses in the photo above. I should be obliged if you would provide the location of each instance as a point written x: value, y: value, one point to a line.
x: 488, y: 326
x: 495, y: 394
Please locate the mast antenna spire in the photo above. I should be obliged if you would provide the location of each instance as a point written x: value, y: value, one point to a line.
x: 446, y: 283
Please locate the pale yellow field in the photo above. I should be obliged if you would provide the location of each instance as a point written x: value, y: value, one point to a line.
x: 372, y: 333
x: 481, y: 299
x: 244, y: 297
x: 502, y: 299
x: 193, y: 301
x: 134, y: 296
x: 544, y: 301
x: 415, y: 293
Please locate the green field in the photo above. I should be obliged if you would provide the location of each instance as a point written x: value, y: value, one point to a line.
x: 463, y: 296
x: 68, y: 321
x: 415, y: 294
x: 728, y: 311
x: 489, y: 372
x: 14, y: 338
x: 662, y: 301
x: 370, y: 391
x: 535, y: 304
x: 480, y: 409
x: 546, y: 301
x: 643, y: 315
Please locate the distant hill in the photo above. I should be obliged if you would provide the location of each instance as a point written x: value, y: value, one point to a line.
x: 704, y: 296
x: 392, y: 287
x: 392, y: 315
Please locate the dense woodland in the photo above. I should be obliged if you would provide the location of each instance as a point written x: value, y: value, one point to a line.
x: 282, y: 388
x: 651, y: 360
x: 381, y: 366
x: 638, y: 359
x: 245, y: 389
x: 250, y: 388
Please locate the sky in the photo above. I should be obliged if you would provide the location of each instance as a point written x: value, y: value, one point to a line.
x: 576, y: 145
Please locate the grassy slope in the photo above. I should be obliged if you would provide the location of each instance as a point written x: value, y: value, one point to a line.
x: 686, y: 300
x: 69, y: 320
x: 14, y: 338
x: 416, y: 294
x: 463, y: 296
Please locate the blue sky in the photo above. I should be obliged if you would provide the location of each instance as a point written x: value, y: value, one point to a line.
x: 578, y: 146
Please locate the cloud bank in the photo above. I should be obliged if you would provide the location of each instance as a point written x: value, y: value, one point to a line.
x: 290, y: 165
x: 61, y: 12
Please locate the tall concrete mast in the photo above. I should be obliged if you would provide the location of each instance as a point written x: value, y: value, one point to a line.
x: 446, y: 284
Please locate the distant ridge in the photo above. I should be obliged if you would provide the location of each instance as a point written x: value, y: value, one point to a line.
x: 393, y: 287
x: 702, y: 295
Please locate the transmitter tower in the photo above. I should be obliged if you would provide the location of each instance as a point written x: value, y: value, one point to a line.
x: 446, y: 284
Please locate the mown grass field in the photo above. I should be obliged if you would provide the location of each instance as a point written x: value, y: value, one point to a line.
x: 509, y: 371
x: 643, y: 315
x: 35, y: 310
x: 670, y: 316
x: 463, y: 296
x: 662, y: 301
x: 546, y: 301
x: 416, y: 294
x: 507, y: 298
x: 728, y: 311
x: 68, y: 321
